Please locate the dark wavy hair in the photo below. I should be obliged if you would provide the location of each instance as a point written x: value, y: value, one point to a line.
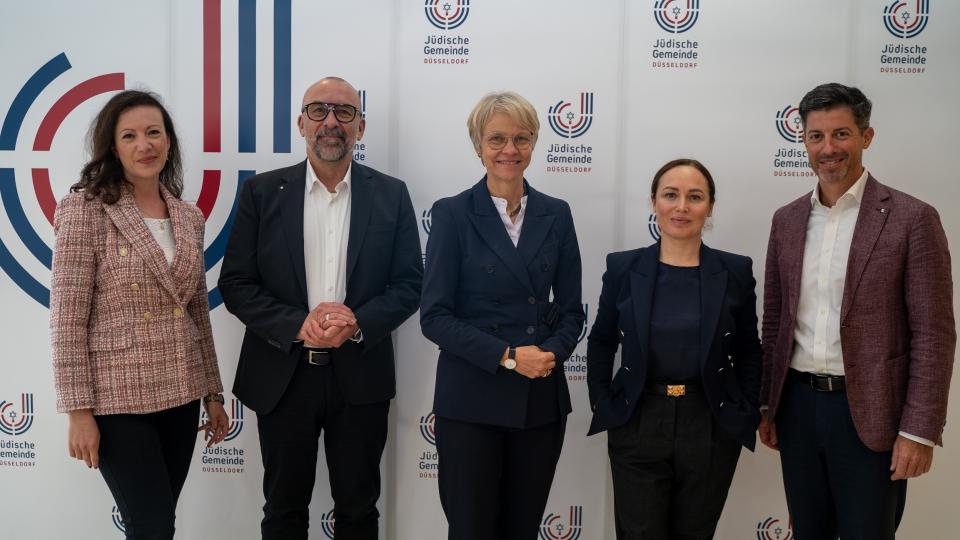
x: 832, y: 95
x: 684, y: 162
x: 102, y: 177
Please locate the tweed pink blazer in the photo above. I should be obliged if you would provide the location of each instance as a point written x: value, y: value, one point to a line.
x: 897, y: 328
x: 130, y: 333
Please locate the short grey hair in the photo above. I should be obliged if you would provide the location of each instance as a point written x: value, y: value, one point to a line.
x: 511, y: 104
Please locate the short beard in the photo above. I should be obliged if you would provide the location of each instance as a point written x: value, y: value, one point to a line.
x: 330, y: 153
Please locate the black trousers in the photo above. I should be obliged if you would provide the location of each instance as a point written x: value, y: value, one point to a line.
x: 144, y: 459
x: 494, y: 481
x: 672, y: 466
x: 835, y: 485
x: 354, y: 437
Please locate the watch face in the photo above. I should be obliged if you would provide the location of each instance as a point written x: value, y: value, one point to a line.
x: 510, y: 363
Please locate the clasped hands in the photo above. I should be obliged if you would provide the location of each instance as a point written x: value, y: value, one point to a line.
x: 532, y: 361
x: 328, y: 326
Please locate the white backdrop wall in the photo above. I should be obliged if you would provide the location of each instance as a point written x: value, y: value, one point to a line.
x: 232, y: 73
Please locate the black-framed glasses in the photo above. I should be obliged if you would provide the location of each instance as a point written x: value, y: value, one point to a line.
x: 497, y: 141
x: 318, y: 111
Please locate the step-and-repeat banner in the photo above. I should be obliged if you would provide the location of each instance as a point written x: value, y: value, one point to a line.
x: 621, y: 86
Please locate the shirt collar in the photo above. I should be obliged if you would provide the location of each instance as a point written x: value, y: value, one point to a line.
x: 501, y: 204
x: 855, y: 192
x: 314, y: 182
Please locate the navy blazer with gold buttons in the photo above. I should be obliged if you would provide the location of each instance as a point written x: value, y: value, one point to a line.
x: 481, y: 294
x: 730, y: 353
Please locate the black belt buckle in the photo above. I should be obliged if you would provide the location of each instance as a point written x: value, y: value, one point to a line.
x: 318, y: 358
x: 826, y: 383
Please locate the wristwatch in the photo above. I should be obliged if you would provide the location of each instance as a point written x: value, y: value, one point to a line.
x: 357, y: 336
x: 511, y: 361
x: 213, y: 397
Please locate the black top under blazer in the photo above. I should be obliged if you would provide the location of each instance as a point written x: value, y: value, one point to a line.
x: 481, y: 294
x: 730, y: 353
x: 263, y: 282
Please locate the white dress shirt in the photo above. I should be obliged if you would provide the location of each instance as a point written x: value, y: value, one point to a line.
x: 825, y: 253
x: 326, y: 231
x: 826, y: 250
x: 513, y: 227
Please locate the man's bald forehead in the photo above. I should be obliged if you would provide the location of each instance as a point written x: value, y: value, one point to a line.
x: 331, y: 82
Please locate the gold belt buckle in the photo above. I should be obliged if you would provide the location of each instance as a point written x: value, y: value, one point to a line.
x: 676, y: 390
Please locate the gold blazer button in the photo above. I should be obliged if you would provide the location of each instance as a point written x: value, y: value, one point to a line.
x: 123, y: 252
x: 147, y: 316
x: 177, y: 312
x: 135, y: 286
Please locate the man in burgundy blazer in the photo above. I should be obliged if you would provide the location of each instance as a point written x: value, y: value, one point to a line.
x: 858, y: 333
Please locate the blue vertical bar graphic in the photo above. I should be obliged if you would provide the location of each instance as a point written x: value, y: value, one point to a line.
x: 281, y: 76
x: 247, y: 82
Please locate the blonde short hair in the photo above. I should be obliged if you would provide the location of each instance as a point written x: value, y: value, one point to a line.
x: 511, y: 104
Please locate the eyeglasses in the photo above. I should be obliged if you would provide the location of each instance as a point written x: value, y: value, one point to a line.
x: 498, y: 141
x: 318, y: 111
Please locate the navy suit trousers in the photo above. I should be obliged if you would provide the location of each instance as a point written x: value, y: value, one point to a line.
x: 835, y: 485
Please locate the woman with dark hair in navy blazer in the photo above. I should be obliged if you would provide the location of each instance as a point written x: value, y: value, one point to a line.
x: 496, y: 254
x: 685, y: 398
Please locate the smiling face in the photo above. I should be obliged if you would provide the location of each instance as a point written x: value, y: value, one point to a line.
x: 141, y: 143
x: 835, y: 146
x: 331, y: 140
x: 682, y: 203
x: 505, y: 164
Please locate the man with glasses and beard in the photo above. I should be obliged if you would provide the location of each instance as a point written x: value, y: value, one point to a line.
x: 323, y: 263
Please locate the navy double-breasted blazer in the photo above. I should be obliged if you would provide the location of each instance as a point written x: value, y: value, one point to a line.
x: 730, y: 353
x: 482, y: 294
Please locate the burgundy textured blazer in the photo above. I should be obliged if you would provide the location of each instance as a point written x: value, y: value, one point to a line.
x: 130, y: 333
x: 896, y: 318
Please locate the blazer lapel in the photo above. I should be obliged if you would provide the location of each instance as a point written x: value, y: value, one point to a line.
x: 129, y: 222
x: 793, y: 237
x: 185, y: 264
x: 536, y: 225
x: 361, y: 206
x: 874, y: 210
x: 290, y: 199
x: 643, y: 279
x: 486, y: 220
x: 713, y: 288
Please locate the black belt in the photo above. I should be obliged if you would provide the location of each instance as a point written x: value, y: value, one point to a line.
x: 673, y: 390
x: 820, y: 383
x: 317, y: 357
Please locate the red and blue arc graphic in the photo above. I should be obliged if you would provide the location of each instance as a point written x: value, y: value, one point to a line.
x: 9, y: 134
x: 567, y: 123
x: 212, y: 85
x: 13, y: 422
x: 235, y: 412
x: 904, y: 22
x: 446, y: 14
x: 771, y: 529
x: 586, y: 321
x: 789, y: 124
x: 676, y: 16
x: 653, y: 227
x: 236, y: 420
x: 327, y: 524
x: 553, y: 527
x: 118, y: 520
x: 428, y: 428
